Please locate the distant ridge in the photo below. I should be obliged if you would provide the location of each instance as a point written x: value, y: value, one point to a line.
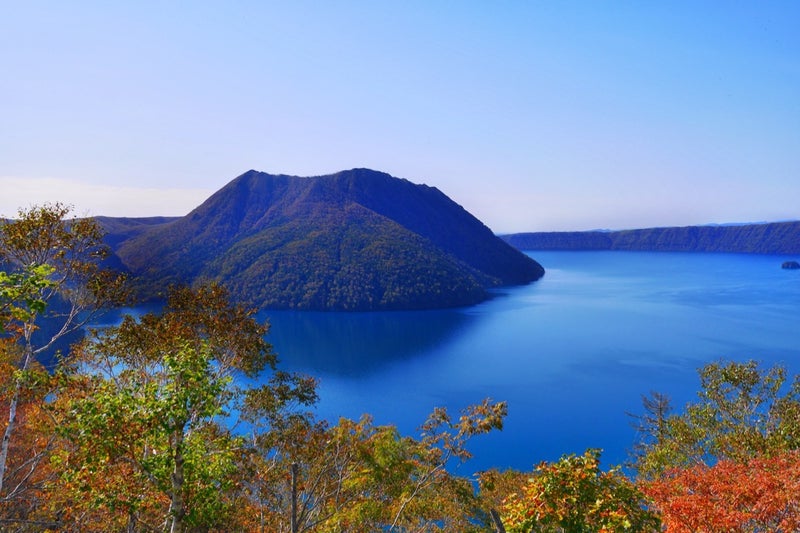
x: 354, y: 240
x: 119, y: 229
x: 766, y: 238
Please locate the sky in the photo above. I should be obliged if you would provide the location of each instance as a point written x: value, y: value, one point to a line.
x: 533, y: 115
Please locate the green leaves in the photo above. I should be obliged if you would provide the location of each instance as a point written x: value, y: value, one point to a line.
x: 22, y: 294
x: 138, y: 424
x: 189, y: 390
x: 742, y: 411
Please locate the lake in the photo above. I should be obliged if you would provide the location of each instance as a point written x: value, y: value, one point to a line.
x: 571, y: 353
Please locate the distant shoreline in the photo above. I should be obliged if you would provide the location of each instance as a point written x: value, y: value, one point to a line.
x: 766, y: 238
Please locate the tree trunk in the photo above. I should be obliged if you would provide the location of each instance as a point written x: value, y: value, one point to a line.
x: 12, y: 420
x: 294, y: 499
x: 498, y: 524
x: 177, y: 509
x: 131, y: 528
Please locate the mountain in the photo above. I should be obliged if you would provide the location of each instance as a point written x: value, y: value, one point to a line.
x: 767, y: 238
x: 119, y: 229
x: 354, y: 240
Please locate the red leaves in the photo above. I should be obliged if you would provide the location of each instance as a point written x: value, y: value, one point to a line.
x: 762, y: 494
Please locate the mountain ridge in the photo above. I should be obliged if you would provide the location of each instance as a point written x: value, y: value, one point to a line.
x: 759, y: 238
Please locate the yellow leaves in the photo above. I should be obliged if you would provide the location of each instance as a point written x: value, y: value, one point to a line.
x: 360, y: 477
x: 574, y: 495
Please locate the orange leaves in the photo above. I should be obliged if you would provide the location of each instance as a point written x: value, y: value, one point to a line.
x: 762, y: 494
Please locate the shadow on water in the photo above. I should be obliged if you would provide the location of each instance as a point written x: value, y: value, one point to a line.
x: 342, y: 344
x: 359, y: 344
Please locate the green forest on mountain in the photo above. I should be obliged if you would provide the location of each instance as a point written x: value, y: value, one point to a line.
x: 146, y: 426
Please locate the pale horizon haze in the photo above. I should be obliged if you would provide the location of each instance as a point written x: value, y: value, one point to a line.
x: 534, y: 116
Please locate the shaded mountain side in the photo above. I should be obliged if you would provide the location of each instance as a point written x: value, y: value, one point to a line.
x: 121, y: 229
x: 355, y: 240
x: 428, y: 212
x: 771, y: 238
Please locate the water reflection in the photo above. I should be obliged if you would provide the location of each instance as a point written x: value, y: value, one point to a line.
x: 359, y: 344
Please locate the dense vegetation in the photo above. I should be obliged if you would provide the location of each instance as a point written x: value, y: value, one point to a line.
x: 150, y: 425
x: 356, y: 240
x: 773, y: 238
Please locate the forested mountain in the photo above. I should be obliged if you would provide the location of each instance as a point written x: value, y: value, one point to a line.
x: 772, y: 238
x: 355, y: 240
x: 119, y: 229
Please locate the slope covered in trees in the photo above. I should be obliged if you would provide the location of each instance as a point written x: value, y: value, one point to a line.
x: 773, y: 238
x: 356, y: 240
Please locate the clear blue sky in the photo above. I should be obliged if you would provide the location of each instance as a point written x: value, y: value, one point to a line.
x: 533, y: 115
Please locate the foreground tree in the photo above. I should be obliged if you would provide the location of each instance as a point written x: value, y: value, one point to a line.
x: 729, y: 461
x: 573, y: 495
x: 359, y: 477
x: 742, y: 412
x: 53, y: 276
x: 22, y: 391
x: 145, y: 452
x: 150, y: 409
x: 28, y: 471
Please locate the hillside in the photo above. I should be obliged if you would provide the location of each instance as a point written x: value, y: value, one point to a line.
x: 355, y: 240
x: 772, y: 238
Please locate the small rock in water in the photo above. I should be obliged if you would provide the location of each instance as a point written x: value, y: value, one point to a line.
x: 791, y: 265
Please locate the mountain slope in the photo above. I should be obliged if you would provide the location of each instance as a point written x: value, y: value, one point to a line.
x: 355, y: 240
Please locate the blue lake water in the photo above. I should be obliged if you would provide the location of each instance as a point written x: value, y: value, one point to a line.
x: 571, y: 353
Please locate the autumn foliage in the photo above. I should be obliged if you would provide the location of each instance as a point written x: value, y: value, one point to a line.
x: 761, y: 494
x: 574, y: 495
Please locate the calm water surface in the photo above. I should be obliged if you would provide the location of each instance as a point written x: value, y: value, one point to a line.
x: 571, y: 353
